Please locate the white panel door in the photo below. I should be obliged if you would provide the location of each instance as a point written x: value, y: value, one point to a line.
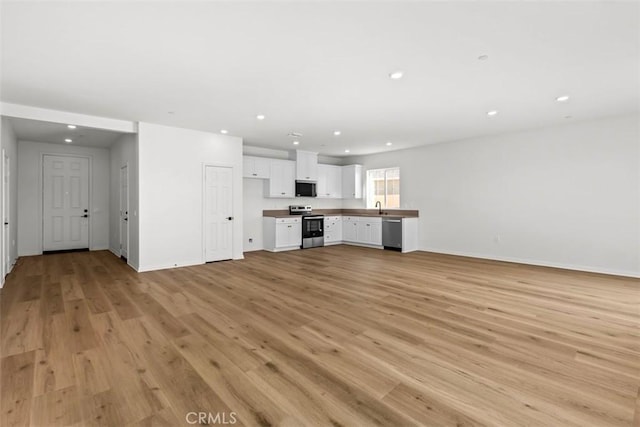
x: 65, y: 203
x: 218, y: 220
x: 124, y: 212
x: 5, y: 216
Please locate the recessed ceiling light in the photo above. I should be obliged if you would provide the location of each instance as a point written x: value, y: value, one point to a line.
x: 260, y: 117
x: 296, y: 142
x: 68, y: 140
x: 389, y: 143
x: 346, y: 151
x: 483, y: 57
x: 71, y: 126
x: 224, y: 131
x: 337, y: 132
x: 396, y: 75
x: 492, y: 113
x: 562, y: 98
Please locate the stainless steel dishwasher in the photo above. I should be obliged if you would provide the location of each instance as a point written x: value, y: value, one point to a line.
x: 392, y: 233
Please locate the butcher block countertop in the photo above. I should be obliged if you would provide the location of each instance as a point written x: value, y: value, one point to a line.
x: 398, y: 213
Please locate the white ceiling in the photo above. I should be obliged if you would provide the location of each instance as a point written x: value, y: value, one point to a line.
x: 314, y: 67
x: 56, y: 133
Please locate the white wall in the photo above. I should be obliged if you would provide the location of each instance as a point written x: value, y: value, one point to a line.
x: 124, y: 152
x: 170, y: 174
x: 9, y: 143
x: 564, y: 196
x: 30, y: 194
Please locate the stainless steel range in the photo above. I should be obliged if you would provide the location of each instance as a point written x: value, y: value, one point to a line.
x: 312, y: 226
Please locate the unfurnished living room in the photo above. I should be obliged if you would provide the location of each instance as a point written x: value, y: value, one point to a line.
x: 320, y: 213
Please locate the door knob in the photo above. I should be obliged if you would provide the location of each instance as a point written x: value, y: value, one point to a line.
x: 86, y: 210
x: 230, y: 218
x: 85, y: 216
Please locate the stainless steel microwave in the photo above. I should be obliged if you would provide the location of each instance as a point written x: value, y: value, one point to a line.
x: 305, y: 189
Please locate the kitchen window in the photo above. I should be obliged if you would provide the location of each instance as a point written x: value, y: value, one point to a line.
x: 383, y: 185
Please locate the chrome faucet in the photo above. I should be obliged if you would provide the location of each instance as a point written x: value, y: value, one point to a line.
x: 379, y: 206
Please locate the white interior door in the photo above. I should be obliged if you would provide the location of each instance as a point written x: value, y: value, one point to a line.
x: 124, y: 212
x: 6, y: 234
x: 4, y: 199
x: 65, y: 203
x: 218, y: 213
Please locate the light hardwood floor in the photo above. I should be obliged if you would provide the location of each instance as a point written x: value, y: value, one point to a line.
x: 337, y: 336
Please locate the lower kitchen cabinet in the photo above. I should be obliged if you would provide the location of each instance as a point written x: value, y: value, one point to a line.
x: 285, y: 233
x: 349, y: 229
x: 282, y: 234
x: 332, y: 230
x: 362, y: 230
x: 369, y: 231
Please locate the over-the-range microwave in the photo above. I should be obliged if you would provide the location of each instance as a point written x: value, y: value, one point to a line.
x: 305, y: 189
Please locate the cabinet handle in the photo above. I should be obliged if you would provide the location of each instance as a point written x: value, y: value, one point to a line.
x: 368, y: 225
x: 282, y: 194
x: 254, y: 174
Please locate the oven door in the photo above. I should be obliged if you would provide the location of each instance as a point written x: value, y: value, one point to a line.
x: 312, y: 227
x: 312, y: 232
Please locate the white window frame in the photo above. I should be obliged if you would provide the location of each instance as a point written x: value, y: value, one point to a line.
x: 370, y: 196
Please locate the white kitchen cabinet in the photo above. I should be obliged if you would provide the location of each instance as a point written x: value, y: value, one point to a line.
x: 332, y: 230
x: 349, y: 229
x: 281, y: 181
x: 329, y: 182
x: 409, y: 234
x: 369, y: 231
x: 256, y: 167
x: 362, y: 230
x: 306, y: 166
x: 282, y: 234
x: 352, y: 182
x: 376, y: 231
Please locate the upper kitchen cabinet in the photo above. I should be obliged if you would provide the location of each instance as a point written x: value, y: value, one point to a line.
x: 281, y: 182
x: 329, y: 182
x: 306, y: 166
x: 352, y: 182
x: 256, y: 167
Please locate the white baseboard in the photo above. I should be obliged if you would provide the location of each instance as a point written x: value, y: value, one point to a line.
x: 166, y: 267
x: 288, y: 248
x: 587, y: 269
x: 11, y: 265
x: 253, y: 250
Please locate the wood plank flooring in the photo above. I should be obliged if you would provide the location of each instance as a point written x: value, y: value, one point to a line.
x: 336, y: 336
